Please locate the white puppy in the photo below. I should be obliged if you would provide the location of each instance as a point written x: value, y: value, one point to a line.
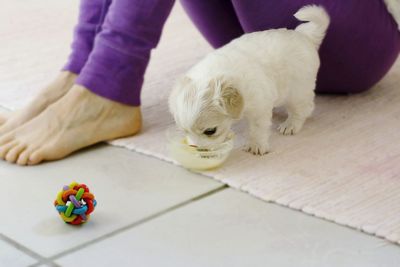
x: 249, y: 77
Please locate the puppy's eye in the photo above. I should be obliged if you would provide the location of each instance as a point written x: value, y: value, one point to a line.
x: 210, y: 131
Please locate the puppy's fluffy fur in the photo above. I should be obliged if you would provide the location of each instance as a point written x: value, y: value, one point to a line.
x: 249, y: 77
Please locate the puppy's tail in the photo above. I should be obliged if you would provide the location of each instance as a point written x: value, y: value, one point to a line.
x: 317, y: 23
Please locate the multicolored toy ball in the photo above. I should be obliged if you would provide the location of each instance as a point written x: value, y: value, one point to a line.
x: 75, y: 203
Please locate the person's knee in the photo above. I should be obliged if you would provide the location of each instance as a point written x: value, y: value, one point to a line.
x: 352, y: 79
x: 342, y: 89
x: 357, y: 72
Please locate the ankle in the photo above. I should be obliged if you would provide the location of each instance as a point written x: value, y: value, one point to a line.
x: 66, y: 78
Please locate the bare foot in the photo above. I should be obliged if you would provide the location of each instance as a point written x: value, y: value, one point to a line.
x: 46, y: 97
x: 77, y: 120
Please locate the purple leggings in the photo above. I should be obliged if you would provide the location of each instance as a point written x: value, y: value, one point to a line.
x: 114, y: 38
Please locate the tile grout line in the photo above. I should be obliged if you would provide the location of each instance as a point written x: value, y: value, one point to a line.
x: 137, y: 223
x: 50, y: 260
x: 27, y: 251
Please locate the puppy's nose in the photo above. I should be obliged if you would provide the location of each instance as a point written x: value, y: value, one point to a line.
x: 190, y: 142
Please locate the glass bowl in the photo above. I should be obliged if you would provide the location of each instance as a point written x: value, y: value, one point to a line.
x: 197, y: 158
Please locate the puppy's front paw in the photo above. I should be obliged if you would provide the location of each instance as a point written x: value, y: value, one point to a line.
x: 290, y: 127
x: 257, y: 149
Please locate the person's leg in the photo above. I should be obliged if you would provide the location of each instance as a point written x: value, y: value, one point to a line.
x: 215, y: 19
x: 361, y: 44
x: 103, y: 103
x: 115, y: 69
x: 91, y: 16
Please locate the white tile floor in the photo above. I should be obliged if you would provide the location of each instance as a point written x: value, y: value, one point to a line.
x: 12, y: 256
x: 152, y: 213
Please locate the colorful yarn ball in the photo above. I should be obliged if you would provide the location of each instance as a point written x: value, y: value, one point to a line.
x: 75, y: 203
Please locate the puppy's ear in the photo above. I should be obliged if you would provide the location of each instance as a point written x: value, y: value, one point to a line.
x: 228, y: 97
x: 180, y: 84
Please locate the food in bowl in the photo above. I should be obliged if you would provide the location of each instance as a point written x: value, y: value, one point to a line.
x: 194, y: 157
